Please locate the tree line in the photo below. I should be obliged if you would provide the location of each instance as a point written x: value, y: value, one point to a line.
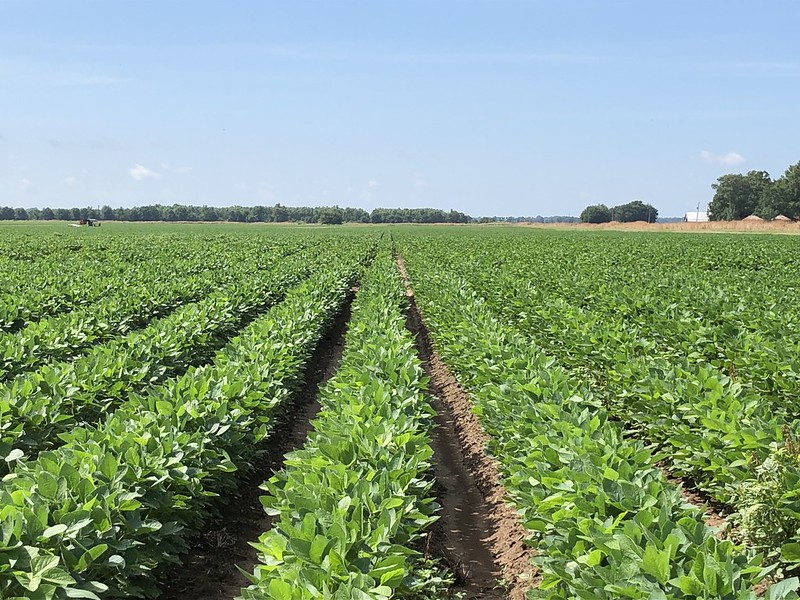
x: 737, y: 196
x: 241, y: 214
x: 623, y: 213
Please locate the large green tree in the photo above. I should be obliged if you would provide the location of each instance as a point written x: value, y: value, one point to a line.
x: 737, y: 196
x: 634, y: 211
x: 596, y: 213
x: 786, y: 193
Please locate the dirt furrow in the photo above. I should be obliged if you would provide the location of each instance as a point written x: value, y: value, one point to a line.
x: 479, y: 534
x: 714, y: 513
x: 210, y: 570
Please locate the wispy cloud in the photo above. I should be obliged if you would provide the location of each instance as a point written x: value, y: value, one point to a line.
x: 37, y: 73
x: 25, y: 185
x: 65, y: 79
x: 419, y: 180
x: 776, y: 67
x: 731, y: 158
x: 178, y: 170
x: 432, y: 57
x: 71, y: 180
x: 97, y: 144
x: 140, y: 173
x: 373, y: 183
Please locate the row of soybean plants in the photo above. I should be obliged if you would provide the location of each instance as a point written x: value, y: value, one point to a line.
x: 37, y: 406
x: 350, y: 507
x: 731, y: 439
x: 723, y: 300
x: 602, y: 516
x: 135, y: 294
x: 48, y: 273
x: 734, y: 316
x: 104, y: 513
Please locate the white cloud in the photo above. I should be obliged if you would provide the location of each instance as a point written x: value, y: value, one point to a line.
x: 25, y: 185
x: 70, y: 180
x: 140, y: 173
x: 731, y: 158
x: 419, y: 180
x: 373, y: 183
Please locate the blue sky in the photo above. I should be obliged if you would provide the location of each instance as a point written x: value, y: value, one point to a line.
x: 492, y: 107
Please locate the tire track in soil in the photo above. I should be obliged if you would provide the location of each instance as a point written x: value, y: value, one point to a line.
x: 478, y: 535
x: 209, y: 570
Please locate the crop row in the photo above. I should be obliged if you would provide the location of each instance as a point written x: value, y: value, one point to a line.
x: 39, y: 406
x: 710, y: 426
x: 61, y: 337
x: 102, y: 515
x: 351, y: 505
x: 53, y: 275
x: 605, y: 521
x: 733, y: 317
x: 133, y: 301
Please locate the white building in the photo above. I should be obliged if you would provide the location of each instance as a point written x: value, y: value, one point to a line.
x: 696, y: 217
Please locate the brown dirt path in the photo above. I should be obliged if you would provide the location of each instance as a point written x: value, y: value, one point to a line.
x: 209, y: 570
x: 479, y: 533
x: 714, y: 513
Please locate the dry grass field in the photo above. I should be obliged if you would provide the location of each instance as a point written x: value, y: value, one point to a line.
x: 778, y: 227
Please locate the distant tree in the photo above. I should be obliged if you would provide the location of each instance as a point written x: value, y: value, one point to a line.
x: 596, y: 213
x: 208, y: 213
x: 302, y: 214
x: 149, y: 213
x: 356, y: 215
x: 280, y: 214
x: 455, y: 216
x: 236, y: 214
x: 737, y: 196
x: 20, y: 214
x: 331, y: 216
x: 256, y: 214
x: 634, y: 211
x: 181, y: 212
x: 788, y: 192
x: 6, y: 213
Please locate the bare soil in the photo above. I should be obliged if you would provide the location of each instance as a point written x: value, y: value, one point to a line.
x: 210, y: 570
x: 714, y: 513
x: 479, y: 534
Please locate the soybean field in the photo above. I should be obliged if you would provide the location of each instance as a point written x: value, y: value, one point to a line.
x: 373, y: 412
